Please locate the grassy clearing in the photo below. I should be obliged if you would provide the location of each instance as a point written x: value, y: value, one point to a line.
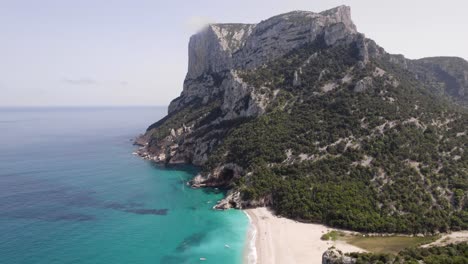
x: 389, y: 244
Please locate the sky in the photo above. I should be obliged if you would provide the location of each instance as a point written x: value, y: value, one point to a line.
x: 134, y: 52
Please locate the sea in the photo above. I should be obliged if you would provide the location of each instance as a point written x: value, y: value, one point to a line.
x: 71, y: 191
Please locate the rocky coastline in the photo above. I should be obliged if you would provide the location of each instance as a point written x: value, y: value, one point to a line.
x: 350, y: 101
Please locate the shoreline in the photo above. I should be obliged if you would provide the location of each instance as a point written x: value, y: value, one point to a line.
x: 250, y: 248
x: 273, y: 239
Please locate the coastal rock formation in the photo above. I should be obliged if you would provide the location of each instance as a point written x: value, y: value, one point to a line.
x: 219, y: 52
x: 303, y: 113
x: 334, y: 256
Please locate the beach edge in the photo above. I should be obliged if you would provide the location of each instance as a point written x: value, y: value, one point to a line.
x: 250, y: 254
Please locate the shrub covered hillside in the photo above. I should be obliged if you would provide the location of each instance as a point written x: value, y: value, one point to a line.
x: 304, y: 114
x: 362, y: 147
x: 446, y: 75
x: 450, y: 254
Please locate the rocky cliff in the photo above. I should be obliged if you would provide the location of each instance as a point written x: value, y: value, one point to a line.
x: 218, y: 53
x: 305, y: 114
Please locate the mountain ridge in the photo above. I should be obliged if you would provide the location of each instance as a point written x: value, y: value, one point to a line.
x: 303, y: 113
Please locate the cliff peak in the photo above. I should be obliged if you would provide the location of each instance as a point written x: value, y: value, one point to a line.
x: 221, y: 47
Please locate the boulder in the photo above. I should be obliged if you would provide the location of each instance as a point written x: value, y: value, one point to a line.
x: 335, y: 256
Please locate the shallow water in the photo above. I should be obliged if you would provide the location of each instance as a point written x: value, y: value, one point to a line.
x: 72, y: 192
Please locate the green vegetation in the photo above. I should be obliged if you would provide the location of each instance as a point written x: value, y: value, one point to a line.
x: 451, y: 254
x: 388, y: 244
x: 332, y: 235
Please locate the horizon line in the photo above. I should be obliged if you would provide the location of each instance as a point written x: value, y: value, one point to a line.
x: 77, y: 106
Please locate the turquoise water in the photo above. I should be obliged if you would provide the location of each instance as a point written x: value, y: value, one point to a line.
x: 72, y: 192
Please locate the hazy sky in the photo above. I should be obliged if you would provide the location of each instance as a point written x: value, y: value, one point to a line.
x: 134, y: 52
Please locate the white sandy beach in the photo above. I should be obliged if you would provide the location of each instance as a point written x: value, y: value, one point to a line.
x: 280, y: 240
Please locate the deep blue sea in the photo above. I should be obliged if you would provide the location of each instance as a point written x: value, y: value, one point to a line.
x: 72, y: 192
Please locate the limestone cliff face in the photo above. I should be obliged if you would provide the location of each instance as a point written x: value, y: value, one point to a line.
x: 221, y: 47
x: 212, y: 49
x: 219, y: 50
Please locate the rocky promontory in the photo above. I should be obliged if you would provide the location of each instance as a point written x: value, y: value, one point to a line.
x: 303, y: 113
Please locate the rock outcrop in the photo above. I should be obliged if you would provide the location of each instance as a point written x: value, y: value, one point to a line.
x: 334, y: 256
x: 363, y: 85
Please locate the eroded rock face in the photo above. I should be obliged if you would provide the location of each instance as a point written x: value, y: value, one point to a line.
x: 221, y: 176
x: 211, y: 49
x: 232, y: 200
